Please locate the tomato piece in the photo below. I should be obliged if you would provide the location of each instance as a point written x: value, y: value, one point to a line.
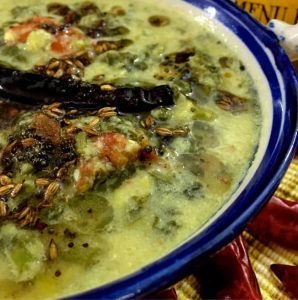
x: 147, y: 154
x: 62, y: 39
x: 117, y: 149
x: 47, y: 128
x: 58, y: 46
x: 21, y: 31
x: 42, y: 20
x: 87, y: 175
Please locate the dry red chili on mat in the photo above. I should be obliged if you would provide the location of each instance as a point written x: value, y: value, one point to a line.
x: 229, y: 275
x: 168, y: 294
x: 288, y: 275
x: 277, y: 222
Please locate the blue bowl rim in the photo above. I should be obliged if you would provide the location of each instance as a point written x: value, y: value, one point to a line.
x: 283, y: 141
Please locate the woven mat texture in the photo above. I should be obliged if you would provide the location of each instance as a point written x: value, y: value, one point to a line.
x: 261, y: 255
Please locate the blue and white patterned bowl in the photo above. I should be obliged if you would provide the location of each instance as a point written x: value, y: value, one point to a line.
x: 278, y: 88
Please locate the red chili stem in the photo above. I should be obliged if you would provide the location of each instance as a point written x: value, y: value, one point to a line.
x: 277, y: 222
x: 229, y: 275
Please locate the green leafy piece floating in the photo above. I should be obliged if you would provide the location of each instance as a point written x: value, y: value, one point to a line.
x: 22, y: 253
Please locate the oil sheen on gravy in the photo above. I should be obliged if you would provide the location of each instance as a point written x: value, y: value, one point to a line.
x: 115, y: 211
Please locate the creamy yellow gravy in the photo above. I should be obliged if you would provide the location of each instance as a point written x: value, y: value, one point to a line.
x: 158, y: 205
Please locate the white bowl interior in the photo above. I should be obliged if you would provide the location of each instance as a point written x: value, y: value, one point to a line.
x: 207, y: 19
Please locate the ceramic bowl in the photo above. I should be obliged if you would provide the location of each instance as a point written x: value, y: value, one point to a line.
x: 277, y: 84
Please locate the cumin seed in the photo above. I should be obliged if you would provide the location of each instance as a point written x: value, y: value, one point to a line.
x: 10, y: 147
x: 67, y: 121
x: 106, y: 112
x: 163, y: 131
x: 59, y: 73
x: 6, y: 189
x: 69, y: 62
x: 28, y: 142
x: 53, y: 105
x: 23, y: 213
x: 53, y: 250
x: 180, y: 132
x: 5, y: 180
x: 50, y: 73
x: 75, y: 77
x: 33, y: 220
x: 94, y: 122
x: 91, y: 131
x: 148, y: 122
x: 107, y: 87
x: 42, y: 182
x: 58, y: 111
x: 51, y: 114
x: 24, y: 222
x: 16, y: 190
x: 72, y: 112
x: 53, y: 65
x: 72, y: 130
x: 159, y: 21
x: 61, y: 173
x: 117, y: 11
x: 3, y: 209
x: 51, y: 190
x: 79, y: 64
